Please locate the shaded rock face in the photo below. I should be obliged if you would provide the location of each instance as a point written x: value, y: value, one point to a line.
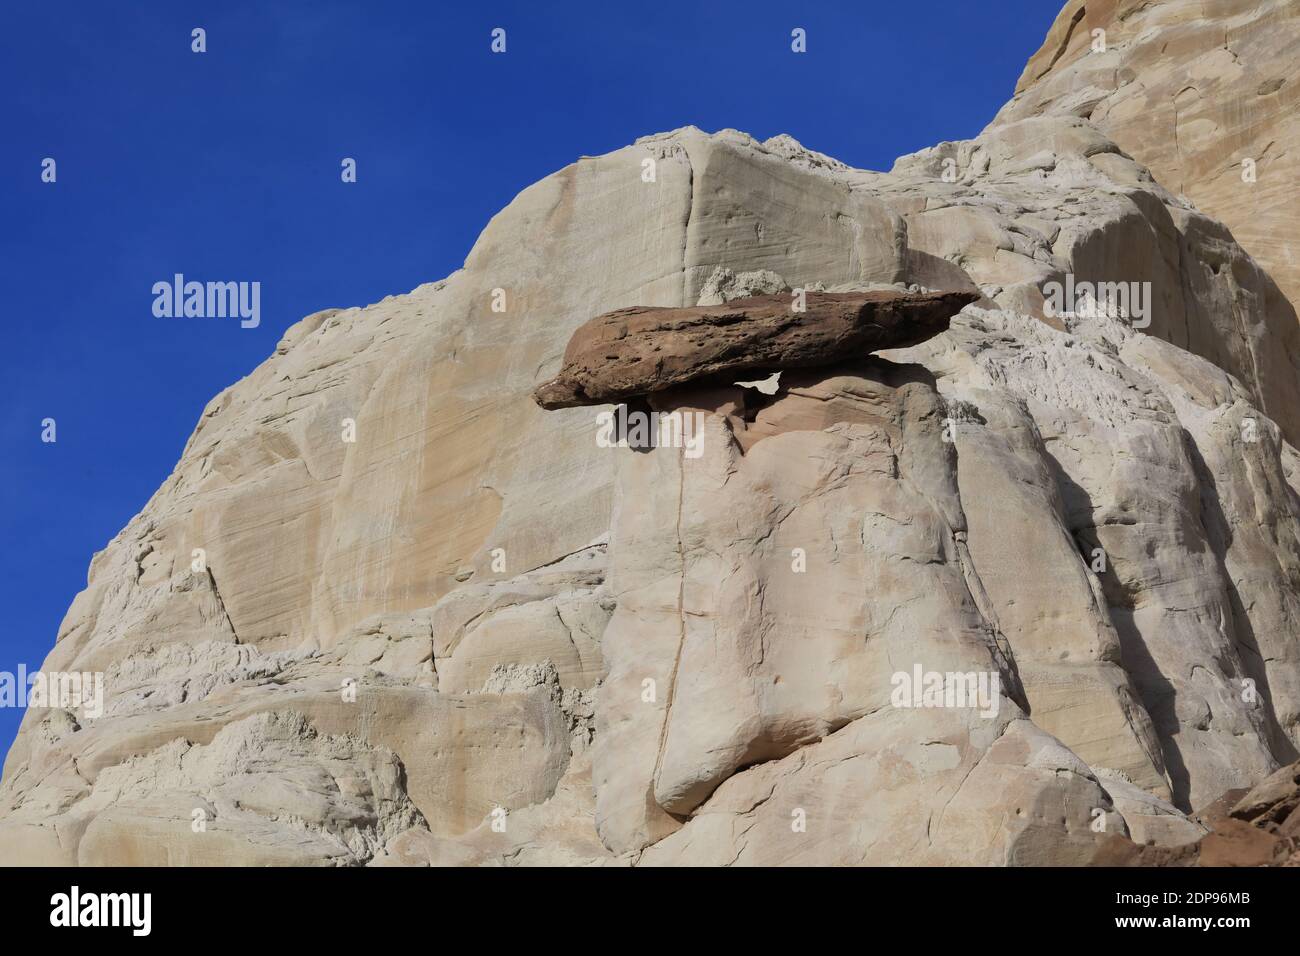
x: 633, y: 352
x: 387, y: 611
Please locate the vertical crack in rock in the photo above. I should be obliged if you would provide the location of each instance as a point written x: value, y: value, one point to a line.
x: 686, y: 227
x: 681, y: 619
x: 221, y: 604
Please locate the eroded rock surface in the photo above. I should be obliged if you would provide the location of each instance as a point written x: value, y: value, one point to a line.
x: 1256, y: 827
x: 637, y: 351
x: 387, y: 611
x: 1203, y: 93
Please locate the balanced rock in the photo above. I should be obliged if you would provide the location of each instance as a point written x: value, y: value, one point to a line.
x: 637, y: 351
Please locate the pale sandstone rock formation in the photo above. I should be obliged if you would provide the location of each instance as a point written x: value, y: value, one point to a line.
x: 388, y: 611
x: 1192, y: 89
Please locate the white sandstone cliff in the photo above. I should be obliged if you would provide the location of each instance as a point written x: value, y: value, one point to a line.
x: 570, y: 654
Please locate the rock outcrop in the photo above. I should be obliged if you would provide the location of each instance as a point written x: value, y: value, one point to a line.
x: 1201, y: 92
x: 997, y: 597
x: 1256, y: 827
x: 634, y: 352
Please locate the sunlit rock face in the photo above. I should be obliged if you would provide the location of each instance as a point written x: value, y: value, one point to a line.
x: 1203, y: 93
x: 996, y: 598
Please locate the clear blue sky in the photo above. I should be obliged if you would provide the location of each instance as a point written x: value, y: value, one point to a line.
x: 225, y: 165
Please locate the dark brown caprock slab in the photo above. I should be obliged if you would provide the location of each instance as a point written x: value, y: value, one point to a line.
x: 637, y: 351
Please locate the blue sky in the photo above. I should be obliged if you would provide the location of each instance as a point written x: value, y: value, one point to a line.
x: 225, y: 165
